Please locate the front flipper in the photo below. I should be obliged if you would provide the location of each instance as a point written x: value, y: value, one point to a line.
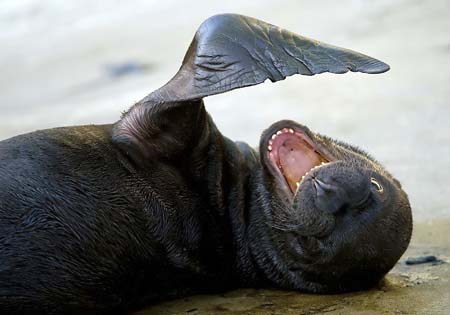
x: 229, y: 51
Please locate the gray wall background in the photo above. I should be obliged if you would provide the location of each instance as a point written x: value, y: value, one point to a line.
x: 56, y: 56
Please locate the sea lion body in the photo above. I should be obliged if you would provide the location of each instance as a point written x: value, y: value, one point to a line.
x: 76, y: 216
x: 106, y: 219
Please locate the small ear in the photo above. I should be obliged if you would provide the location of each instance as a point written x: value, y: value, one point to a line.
x: 231, y: 51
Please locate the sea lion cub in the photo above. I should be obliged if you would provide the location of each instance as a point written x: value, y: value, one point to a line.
x: 106, y: 219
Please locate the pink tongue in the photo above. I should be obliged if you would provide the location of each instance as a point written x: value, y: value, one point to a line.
x: 296, y: 158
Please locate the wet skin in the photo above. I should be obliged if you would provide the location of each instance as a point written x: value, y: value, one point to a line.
x: 106, y: 219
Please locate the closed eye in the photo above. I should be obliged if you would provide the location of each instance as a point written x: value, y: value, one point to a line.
x: 379, y: 188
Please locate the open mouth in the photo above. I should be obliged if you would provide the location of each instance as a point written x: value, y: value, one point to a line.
x: 294, y: 155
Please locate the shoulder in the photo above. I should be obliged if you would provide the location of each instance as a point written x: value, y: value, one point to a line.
x: 51, y: 140
x: 54, y: 150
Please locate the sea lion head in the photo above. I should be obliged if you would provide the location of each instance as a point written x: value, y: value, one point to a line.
x: 337, y: 220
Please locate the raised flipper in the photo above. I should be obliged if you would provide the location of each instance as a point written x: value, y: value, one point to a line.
x: 229, y: 51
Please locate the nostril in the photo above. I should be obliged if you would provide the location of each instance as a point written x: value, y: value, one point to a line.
x: 329, y: 197
x: 323, y: 188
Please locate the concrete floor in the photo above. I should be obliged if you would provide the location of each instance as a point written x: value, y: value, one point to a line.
x: 57, y: 60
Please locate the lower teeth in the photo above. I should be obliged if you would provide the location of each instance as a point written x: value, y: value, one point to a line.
x: 303, y: 177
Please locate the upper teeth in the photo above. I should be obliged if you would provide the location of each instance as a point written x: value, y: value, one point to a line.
x: 279, y: 132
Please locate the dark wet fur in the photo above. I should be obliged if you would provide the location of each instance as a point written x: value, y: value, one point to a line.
x: 84, y: 227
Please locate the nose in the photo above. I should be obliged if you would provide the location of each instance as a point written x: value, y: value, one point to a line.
x: 329, y: 197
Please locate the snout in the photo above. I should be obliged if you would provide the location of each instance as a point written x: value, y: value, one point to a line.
x: 329, y: 197
x: 337, y: 187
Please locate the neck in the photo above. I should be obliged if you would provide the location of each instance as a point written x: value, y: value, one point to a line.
x: 240, y: 164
